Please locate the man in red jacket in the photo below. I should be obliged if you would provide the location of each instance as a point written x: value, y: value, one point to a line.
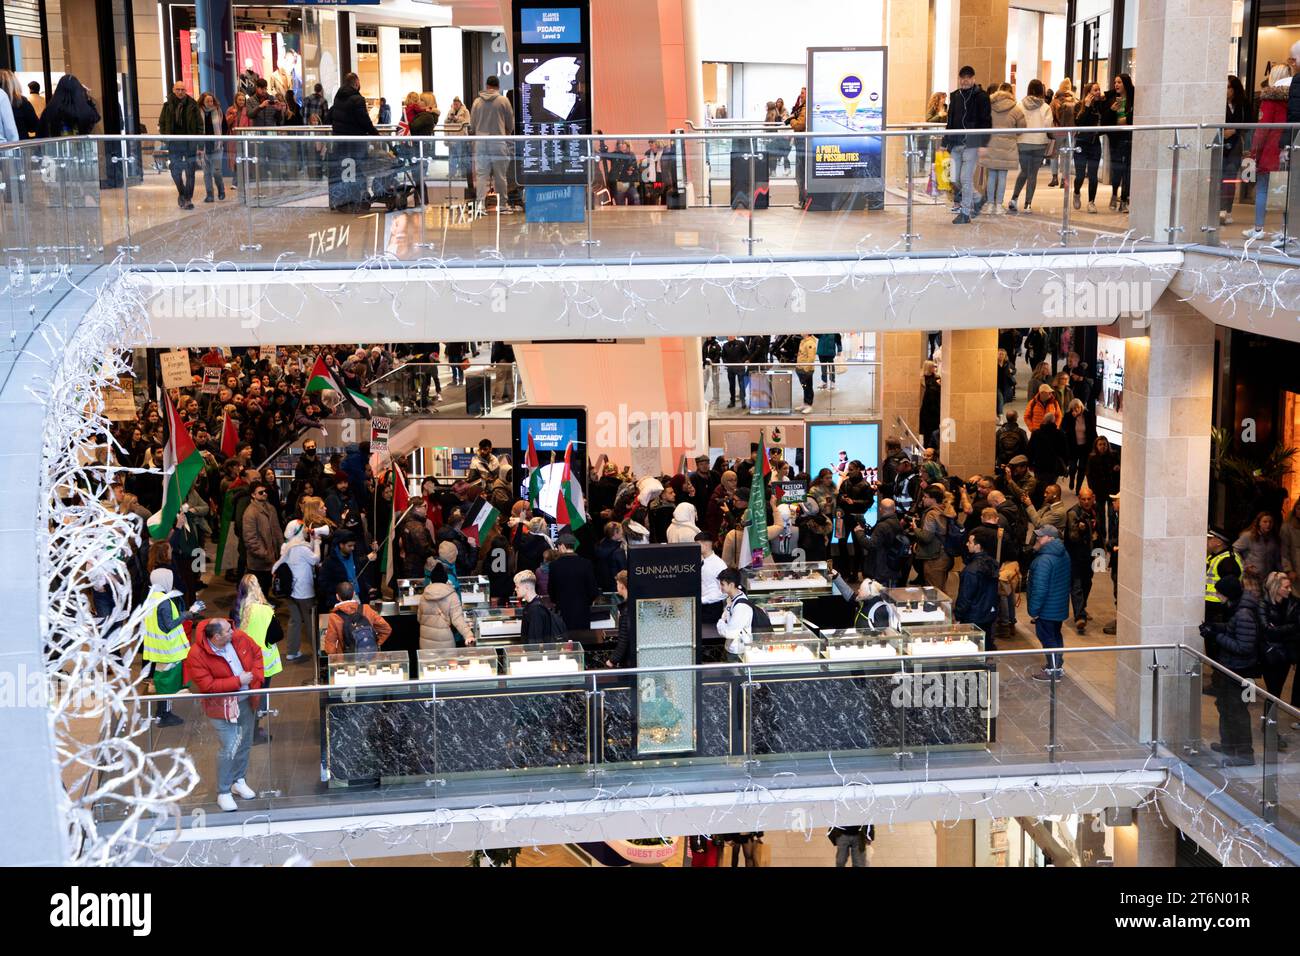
x: 223, y: 660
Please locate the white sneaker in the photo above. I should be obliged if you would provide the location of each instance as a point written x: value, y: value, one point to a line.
x: 1226, y: 219
x: 242, y: 790
x: 1253, y: 233
x: 1223, y: 217
x: 805, y: 410
x: 226, y: 802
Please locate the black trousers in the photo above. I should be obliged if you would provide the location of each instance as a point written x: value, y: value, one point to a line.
x: 1234, y: 716
x: 1087, y: 165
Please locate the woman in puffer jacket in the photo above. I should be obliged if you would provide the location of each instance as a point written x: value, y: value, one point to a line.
x: 1032, y: 146
x: 440, y: 613
x: 1237, y: 649
x: 1001, y: 155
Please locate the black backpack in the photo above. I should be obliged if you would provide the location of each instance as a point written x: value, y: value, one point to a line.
x: 1009, y: 441
x: 282, y: 581
x: 760, y: 621
x: 358, y: 633
x: 954, y: 539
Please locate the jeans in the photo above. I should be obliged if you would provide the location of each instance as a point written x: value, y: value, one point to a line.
x: 712, y: 376
x: 182, y: 166
x: 236, y: 740
x: 1080, y: 588
x: 737, y: 374
x: 212, y: 175
x: 827, y: 363
x: 1031, y: 161
x: 1087, y: 164
x: 1001, y: 401
x: 997, y: 186
x: 850, y: 843
x: 457, y: 374
x: 1231, y: 174
x: 1049, y: 635
x: 1261, y: 198
x: 806, y: 380
x: 963, y: 172
x: 301, y: 611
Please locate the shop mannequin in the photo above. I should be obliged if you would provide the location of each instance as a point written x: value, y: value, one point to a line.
x: 248, y: 79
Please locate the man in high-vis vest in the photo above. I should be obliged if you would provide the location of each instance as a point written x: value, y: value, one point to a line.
x: 165, y: 643
x: 1220, y: 562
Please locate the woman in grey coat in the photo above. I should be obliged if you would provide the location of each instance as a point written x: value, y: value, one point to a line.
x: 1259, y: 547
x: 1002, y: 154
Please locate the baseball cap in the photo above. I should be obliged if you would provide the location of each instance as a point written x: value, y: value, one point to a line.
x: 1047, y: 531
x: 1019, y: 460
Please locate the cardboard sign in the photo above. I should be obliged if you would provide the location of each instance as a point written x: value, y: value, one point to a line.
x: 211, y: 381
x: 176, y: 369
x: 379, y: 433
x: 119, y: 403
x: 267, y: 352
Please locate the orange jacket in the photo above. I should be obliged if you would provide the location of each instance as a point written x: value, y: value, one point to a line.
x: 333, y: 642
x: 1036, y: 411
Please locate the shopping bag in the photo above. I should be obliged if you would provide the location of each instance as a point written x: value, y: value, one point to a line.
x: 943, y: 169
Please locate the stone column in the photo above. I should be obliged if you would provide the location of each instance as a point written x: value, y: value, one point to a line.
x: 1151, y: 841
x: 1164, y: 495
x: 901, y: 355
x: 982, y: 40
x: 954, y: 843
x: 968, y: 414
x: 1179, y: 79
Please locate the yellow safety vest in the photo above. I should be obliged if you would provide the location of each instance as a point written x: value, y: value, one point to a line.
x: 163, y: 647
x: 259, y: 621
x: 1212, y: 575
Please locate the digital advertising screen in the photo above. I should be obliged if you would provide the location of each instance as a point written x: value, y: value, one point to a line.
x: 834, y: 444
x: 550, y: 25
x: 552, y: 430
x: 846, y: 98
x: 551, y: 96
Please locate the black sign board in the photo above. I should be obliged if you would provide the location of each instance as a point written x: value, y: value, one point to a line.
x: 552, y: 54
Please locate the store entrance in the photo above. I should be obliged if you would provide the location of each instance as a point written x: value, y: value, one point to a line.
x: 1291, y: 439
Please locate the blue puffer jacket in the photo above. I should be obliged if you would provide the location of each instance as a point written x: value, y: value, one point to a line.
x: 1049, y: 582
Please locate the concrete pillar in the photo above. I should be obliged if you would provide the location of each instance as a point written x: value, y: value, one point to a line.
x: 907, y: 26
x: 694, y: 68
x: 1164, y: 494
x: 390, y: 69
x: 982, y: 40
x: 901, y: 355
x: 968, y: 414
x: 1151, y: 840
x: 1179, y: 79
x: 954, y: 843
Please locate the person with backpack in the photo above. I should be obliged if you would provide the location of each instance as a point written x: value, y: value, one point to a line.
x: 931, y: 531
x: 539, y: 624
x: 888, y: 548
x: 1011, y: 439
x: 353, y: 627
x: 741, y: 618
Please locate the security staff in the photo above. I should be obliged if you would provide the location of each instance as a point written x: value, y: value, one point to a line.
x: 165, y: 643
x: 1220, y: 562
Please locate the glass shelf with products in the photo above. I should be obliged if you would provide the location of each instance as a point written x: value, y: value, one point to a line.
x: 920, y: 605
x: 942, y: 639
x: 802, y: 647
x: 863, y: 644
x: 496, y: 625
x: 783, y: 610
x: 369, y: 667
x: 457, y: 663
x: 790, y: 579
x: 544, y: 660
x: 474, y: 590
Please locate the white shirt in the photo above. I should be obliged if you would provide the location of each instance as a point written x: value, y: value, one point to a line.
x: 736, y: 625
x: 710, y: 590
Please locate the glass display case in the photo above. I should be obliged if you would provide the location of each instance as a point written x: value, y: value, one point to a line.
x: 665, y: 706
x: 474, y: 590
x: 457, y: 663
x: 543, y: 660
x: 407, y: 592
x: 798, y: 647
x: 792, y: 578
x: 494, y: 626
x: 370, y: 667
x: 863, y: 644
x: 920, y: 605
x: 941, y: 639
x: 785, y: 612
x: 604, y: 614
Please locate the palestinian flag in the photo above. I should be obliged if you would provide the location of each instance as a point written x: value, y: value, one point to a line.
x: 756, y: 537
x: 322, y: 378
x: 229, y: 435
x: 401, y: 505
x: 227, y: 540
x: 534, y: 473
x: 570, y: 509
x: 481, y: 525
x: 182, y: 463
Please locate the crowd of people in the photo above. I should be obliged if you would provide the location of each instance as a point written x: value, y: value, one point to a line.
x: 977, y: 166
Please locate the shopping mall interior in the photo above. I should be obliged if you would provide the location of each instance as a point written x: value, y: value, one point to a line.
x: 550, y: 435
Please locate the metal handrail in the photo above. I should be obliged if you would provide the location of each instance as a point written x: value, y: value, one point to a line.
x: 1259, y: 691
x: 677, y: 668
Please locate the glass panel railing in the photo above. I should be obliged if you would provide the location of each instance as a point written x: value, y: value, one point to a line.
x: 473, y: 389
x: 469, y: 728
x: 825, y: 387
